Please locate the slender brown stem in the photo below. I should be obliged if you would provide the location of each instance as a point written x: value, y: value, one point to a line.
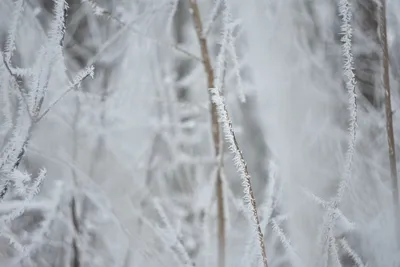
x: 241, y: 167
x: 389, y: 113
x: 216, y: 134
x: 221, y: 206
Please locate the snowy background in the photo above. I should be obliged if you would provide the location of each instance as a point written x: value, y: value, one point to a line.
x: 144, y: 133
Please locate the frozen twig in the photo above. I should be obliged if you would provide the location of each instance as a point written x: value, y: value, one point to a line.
x: 348, y: 68
x: 220, y: 116
x: 327, y: 240
x: 389, y: 114
x: 241, y: 166
x: 215, y: 126
x: 356, y: 258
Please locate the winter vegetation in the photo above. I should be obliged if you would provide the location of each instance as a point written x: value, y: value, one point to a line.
x: 224, y: 133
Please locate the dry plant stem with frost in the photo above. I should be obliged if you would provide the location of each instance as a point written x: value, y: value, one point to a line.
x: 223, y: 117
x: 389, y: 120
x: 14, y: 150
x: 241, y: 166
x: 327, y: 239
x: 348, y: 65
x: 29, y: 114
x: 220, y: 111
x: 216, y: 135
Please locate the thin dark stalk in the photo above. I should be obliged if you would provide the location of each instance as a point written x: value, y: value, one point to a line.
x: 241, y: 167
x: 75, y: 261
x: 389, y: 119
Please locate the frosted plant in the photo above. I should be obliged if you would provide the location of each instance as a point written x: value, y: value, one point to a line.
x: 328, y: 241
x: 241, y: 167
x: 297, y: 81
x: 281, y: 77
x: 30, y: 95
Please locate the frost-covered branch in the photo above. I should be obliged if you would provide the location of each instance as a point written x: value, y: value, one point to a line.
x: 348, y: 68
x: 30, y: 99
x: 215, y: 126
x: 356, y: 258
x: 327, y: 240
x: 389, y: 119
x: 220, y: 115
x: 240, y: 164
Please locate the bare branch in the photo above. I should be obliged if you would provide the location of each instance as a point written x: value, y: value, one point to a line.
x: 219, y: 114
x: 389, y: 120
x: 216, y: 134
x: 241, y: 166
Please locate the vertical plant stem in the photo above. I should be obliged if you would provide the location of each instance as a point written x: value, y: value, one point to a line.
x: 75, y: 261
x: 221, y: 207
x: 205, y: 56
x: 241, y: 166
x: 389, y: 120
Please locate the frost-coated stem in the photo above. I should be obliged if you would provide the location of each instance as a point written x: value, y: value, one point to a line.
x: 327, y: 241
x: 10, y: 41
x: 348, y: 68
x: 389, y: 113
x: 194, y: 10
x: 240, y: 164
x: 356, y: 258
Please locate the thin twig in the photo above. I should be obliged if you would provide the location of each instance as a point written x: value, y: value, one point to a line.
x: 389, y: 120
x: 216, y: 134
x: 241, y: 166
x: 220, y: 200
